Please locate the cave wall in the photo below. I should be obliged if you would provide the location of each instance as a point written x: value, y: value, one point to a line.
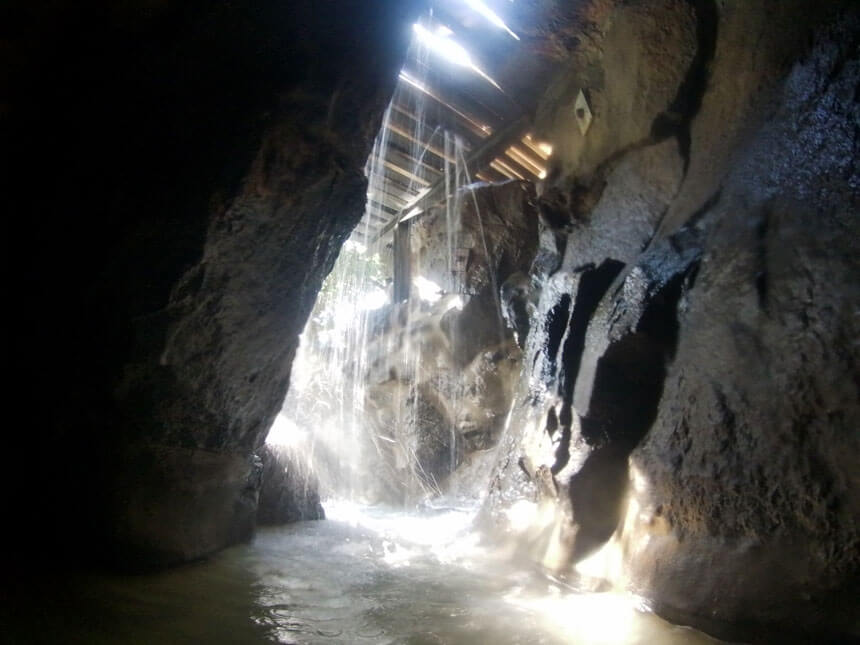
x: 289, y: 488
x: 688, y: 407
x: 181, y: 177
x: 766, y: 373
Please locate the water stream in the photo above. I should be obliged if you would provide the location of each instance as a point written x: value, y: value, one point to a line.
x: 365, y: 575
x: 354, y: 408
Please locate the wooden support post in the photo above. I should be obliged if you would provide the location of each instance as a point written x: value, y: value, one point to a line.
x: 402, y: 261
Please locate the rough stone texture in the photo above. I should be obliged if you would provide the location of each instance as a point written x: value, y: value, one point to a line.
x: 752, y: 459
x: 492, y: 234
x: 434, y: 396
x: 192, y: 501
x: 690, y: 388
x: 183, y: 176
x: 631, y: 73
x: 289, y: 490
x: 440, y: 376
x: 638, y: 190
x: 694, y: 318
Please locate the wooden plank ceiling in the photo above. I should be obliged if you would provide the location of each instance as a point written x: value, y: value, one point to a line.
x: 434, y: 100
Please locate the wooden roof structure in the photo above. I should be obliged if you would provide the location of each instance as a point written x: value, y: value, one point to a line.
x: 434, y: 99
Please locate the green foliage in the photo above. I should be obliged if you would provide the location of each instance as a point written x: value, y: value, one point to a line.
x: 355, y: 274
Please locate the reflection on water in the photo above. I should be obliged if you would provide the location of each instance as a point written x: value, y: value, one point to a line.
x: 363, y: 576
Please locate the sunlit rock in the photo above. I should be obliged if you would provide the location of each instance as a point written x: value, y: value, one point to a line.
x: 289, y: 490
x: 681, y: 428
x: 492, y: 234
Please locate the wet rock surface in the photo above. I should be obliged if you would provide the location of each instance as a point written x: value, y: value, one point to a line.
x: 394, y: 404
x: 683, y: 289
x: 689, y: 395
x: 492, y: 233
x: 288, y: 490
x: 443, y: 373
x: 748, y: 457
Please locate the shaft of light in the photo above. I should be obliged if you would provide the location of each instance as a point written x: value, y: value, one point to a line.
x: 479, y: 7
x: 451, y: 51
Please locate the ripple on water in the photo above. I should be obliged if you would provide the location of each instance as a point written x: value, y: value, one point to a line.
x: 305, y: 584
x: 372, y: 584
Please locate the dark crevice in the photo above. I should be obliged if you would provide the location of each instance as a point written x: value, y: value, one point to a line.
x: 597, y: 495
x: 678, y: 117
x: 556, y: 323
x: 700, y: 212
x: 562, y: 451
x: 551, y: 422
x: 629, y: 379
x: 525, y: 466
x: 690, y: 279
x: 761, y: 278
x: 625, y: 398
x: 593, y: 285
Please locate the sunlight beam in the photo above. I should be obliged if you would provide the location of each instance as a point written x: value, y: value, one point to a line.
x: 451, y: 51
x: 479, y: 7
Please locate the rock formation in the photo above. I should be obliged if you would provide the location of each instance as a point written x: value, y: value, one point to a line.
x: 183, y: 175
x: 289, y: 490
x: 689, y: 398
x: 427, y: 384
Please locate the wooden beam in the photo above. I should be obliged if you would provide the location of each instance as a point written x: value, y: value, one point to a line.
x: 503, y: 168
x: 535, y: 147
x: 515, y: 153
x: 385, y: 203
x: 376, y: 219
x: 392, y: 184
x: 402, y: 261
x: 363, y: 223
x: 480, y: 157
x: 420, y: 168
x: 384, y: 188
x: 471, y: 122
x: 405, y: 173
x: 466, y: 134
x: 407, y: 135
x: 521, y: 168
x: 492, y: 174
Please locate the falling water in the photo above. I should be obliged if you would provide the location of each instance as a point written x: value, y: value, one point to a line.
x: 325, y: 416
x: 358, y: 343
x: 452, y: 212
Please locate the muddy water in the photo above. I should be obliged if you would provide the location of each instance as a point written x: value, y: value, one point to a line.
x: 363, y: 576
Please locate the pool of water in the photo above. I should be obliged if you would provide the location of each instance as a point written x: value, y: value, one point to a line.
x: 365, y: 575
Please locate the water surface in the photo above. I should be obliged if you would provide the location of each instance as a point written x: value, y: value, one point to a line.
x: 363, y: 576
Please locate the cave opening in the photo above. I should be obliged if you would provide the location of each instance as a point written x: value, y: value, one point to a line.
x: 431, y: 321
x: 407, y: 370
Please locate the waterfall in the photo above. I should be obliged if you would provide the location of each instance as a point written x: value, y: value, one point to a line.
x: 357, y: 412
